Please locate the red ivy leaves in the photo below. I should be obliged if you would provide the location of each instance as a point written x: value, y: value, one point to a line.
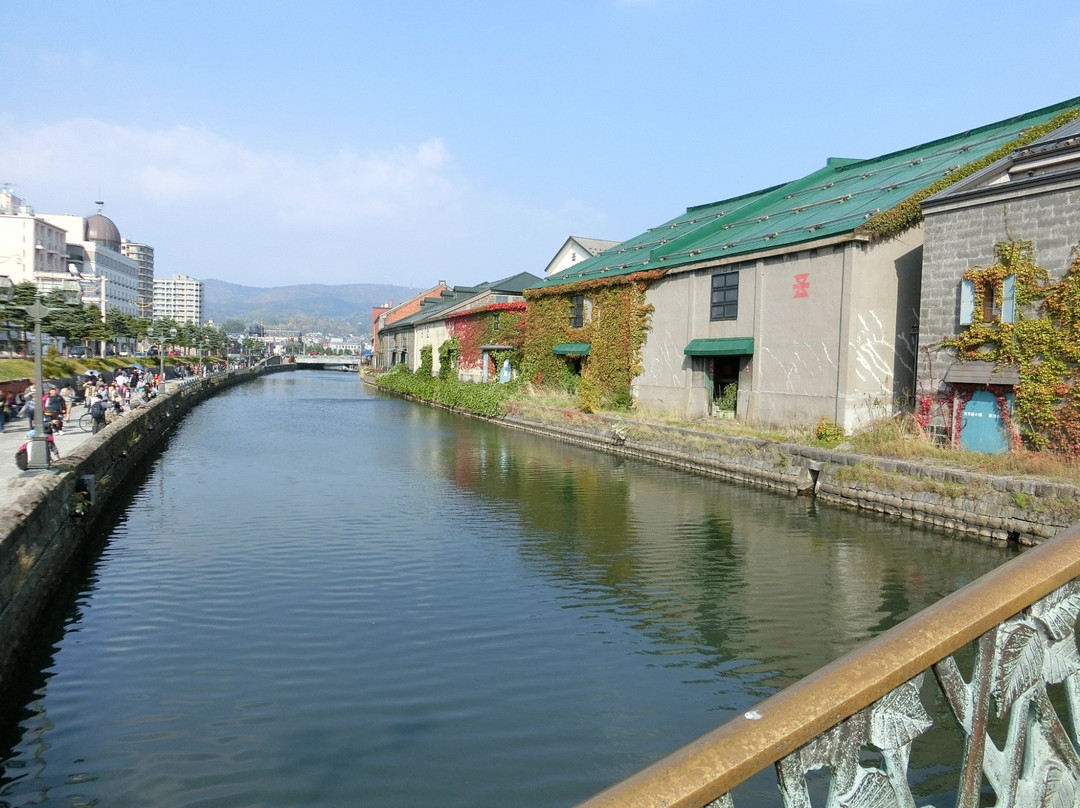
x: 476, y: 328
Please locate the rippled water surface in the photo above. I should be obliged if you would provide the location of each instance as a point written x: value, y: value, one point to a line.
x: 323, y: 597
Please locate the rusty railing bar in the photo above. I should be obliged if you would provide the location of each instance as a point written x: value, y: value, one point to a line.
x: 718, y: 761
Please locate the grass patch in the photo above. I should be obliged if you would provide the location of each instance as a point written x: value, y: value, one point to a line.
x: 901, y: 439
x: 869, y: 476
x: 59, y: 367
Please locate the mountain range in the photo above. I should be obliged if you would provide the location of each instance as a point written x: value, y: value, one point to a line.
x: 340, y: 309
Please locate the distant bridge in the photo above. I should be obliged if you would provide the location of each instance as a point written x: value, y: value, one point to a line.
x: 344, y: 362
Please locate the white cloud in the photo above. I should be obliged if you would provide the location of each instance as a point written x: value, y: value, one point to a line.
x: 197, y: 196
x: 213, y: 208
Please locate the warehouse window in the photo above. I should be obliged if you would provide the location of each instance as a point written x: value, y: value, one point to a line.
x: 725, y: 296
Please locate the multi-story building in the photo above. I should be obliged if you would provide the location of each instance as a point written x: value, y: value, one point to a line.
x: 30, y: 246
x: 93, y: 251
x: 179, y: 298
x: 143, y: 256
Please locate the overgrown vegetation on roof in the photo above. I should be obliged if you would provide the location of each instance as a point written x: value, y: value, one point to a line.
x: 908, y: 213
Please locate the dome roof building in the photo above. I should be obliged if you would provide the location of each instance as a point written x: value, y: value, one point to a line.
x: 100, y: 228
x: 100, y: 255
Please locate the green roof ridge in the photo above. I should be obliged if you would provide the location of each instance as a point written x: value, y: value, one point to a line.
x: 762, y: 203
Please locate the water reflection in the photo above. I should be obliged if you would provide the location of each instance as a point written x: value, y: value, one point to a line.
x: 727, y: 577
x: 320, y: 596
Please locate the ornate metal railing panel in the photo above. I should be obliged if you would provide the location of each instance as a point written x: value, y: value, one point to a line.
x: 859, y: 718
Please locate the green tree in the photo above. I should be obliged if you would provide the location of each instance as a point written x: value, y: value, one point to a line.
x: 253, y: 347
x: 67, y: 320
x: 16, y: 321
x: 120, y: 325
x: 141, y: 326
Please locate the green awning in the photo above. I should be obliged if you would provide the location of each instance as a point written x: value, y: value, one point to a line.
x: 731, y: 346
x: 572, y: 349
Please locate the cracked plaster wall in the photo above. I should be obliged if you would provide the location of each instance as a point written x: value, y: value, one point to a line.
x: 832, y: 328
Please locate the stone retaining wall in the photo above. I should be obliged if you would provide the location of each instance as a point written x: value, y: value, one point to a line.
x: 1006, y: 509
x: 58, y: 514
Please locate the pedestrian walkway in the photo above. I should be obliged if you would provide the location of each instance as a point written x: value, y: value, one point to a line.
x: 12, y: 478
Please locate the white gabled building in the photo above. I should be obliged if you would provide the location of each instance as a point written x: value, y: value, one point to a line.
x: 179, y: 298
x: 575, y: 250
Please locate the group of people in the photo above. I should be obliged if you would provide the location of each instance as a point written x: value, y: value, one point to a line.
x: 103, y: 400
x: 128, y: 389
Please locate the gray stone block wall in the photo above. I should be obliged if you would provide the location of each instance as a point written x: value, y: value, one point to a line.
x: 1003, y: 509
x: 958, y: 239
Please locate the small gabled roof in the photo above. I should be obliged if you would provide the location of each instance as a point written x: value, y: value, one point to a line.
x: 435, y: 308
x: 594, y: 246
x: 831, y: 202
x: 575, y: 246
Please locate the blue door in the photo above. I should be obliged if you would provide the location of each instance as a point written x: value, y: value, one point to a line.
x: 981, y: 429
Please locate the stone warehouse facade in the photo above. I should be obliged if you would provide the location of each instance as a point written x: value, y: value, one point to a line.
x: 1032, y: 195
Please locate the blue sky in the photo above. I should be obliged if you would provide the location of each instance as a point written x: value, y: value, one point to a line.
x: 407, y: 141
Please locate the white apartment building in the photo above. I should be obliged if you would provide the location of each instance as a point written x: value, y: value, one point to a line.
x: 94, y: 252
x: 179, y: 298
x: 143, y: 255
x: 30, y: 246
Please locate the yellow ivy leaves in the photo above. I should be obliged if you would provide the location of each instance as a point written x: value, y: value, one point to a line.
x: 1043, y: 343
x: 616, y: 333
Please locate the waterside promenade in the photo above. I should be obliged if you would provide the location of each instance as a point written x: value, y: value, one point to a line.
x: 14, y: 480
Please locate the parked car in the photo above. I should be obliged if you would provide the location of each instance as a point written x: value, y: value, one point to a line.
x: 78, y: 351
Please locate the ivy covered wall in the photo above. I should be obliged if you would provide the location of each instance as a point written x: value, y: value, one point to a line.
x: 610, y: 315
x: 495, y: 324
x: 1020, y: 317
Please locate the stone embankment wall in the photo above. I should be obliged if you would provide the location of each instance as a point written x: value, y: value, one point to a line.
x: 1006, y: 509
x: 57, y: 514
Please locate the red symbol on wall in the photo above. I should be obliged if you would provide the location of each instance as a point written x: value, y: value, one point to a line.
x: 802, y: 285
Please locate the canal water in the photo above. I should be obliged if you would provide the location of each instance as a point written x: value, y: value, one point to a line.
x: 321, y: 596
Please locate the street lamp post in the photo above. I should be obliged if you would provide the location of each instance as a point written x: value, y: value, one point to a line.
x: 37, y: 452
x: 159, y: 333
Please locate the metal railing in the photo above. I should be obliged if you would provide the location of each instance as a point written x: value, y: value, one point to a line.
x: 859, y: 717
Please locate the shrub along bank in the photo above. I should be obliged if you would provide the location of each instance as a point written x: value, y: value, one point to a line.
x: 488, y: 400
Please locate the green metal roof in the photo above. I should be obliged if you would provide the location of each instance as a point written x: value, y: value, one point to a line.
x: 832, y: 201
x: 572, y: 348
x: 728, y: 346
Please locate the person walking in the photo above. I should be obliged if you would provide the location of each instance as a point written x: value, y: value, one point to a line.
x: 55, y: 410
x: 97, y: 413
x: 28, y: 407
